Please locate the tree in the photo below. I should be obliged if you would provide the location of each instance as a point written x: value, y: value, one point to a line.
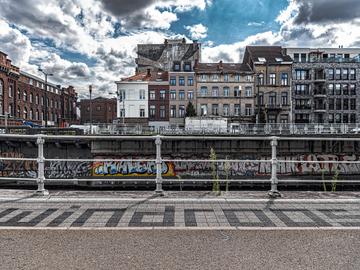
x: 190, y: 110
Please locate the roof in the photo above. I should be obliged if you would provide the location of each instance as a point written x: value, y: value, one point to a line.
x: 147, y: 77
x: 271, y: 54
x: 222, y: 67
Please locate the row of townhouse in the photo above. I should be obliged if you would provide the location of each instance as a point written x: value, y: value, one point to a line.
x: 271, y: 85
x: 23, y: 98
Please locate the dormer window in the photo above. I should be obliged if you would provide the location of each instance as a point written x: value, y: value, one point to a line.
x: 262, y: 59
x: 176, y: 66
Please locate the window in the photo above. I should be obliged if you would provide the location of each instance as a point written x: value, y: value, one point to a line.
x: 173, y: 111
x: 203, y: 108
x: 272, y: 79
x: 296, y: 57
x: 272, y: 119
x: 226, y: 91
x: 11, y: 110
x: 345, y: 74
x: 182, y: 80
x: 215, y: 91
x: 248, y: 78
x: 203, y: 91
x: 338, y: 104
x: 331, y: 89
x: 215, y: 109
x: 226, y: 109
x: 337, y: 89
x: 190, y: 95
x: 31, y: 97
x: 162, y: 111
x: 248, y: 109
x: 237, y: 77
x: 237, y: 109
x: 37, y: 115
x: 331, y: 104
x: 173, y: 80
x: 353, y: 104
x: 284, y: 79
x: 330, y: 74
x: 181, y: 111
x: 352, y: 118
x: 152, y: 95
x: 152, y: 111
x: 142, y: 94
x: 42, y: 101
x: 181, y: 94
x: 142, y: 112
x: 272, y: 99
x: 352, y: 74
x: 345, y: 104
x: 176, y: 66
x: 352, y: 89
x: 98, y: 108
x: 190, y: 81
x: 345, y: 118
x: 302, y: 89
x: 122, y: 95
x: 37, y: 99
x: 51, y: 103
x: 226, y: 77
x: 248, y: 91
x: 162, y: 94
x: 25, y: 113
x: 19, y: 94
x: 173, y: 95
x: 302, y: 104
x: 237, y: 92
x: 338, y: 74
x: 284, y: 98
x: 261, y: 79
x: 303, y: 57
x: 345, y: 89
x: 331, y: 118
x: 11, y: 91
x: 203, y: 77
x: 187, y: 66
x: 301, y: 74
x: 215, y: 77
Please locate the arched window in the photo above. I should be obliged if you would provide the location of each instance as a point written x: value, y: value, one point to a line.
x: 31, y: 114
x: 25, y: 113
x: 1, y: 97
x: 37, y: 115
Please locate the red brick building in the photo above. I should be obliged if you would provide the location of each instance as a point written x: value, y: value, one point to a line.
x: 159, y: 100
x: 103, y: 110
x: 22, y: 97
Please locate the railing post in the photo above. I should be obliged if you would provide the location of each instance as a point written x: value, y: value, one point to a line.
x: 159, y: 190
x: 274, y: 193
x: 41, y: 167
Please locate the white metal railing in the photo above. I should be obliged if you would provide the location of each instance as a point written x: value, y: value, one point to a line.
x: 274, y: 161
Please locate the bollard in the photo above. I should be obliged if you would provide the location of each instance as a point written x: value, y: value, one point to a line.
x: 159, y: 190
x: 274, y: 193
x: 41, y: 167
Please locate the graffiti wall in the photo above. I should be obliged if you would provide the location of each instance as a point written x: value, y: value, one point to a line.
x: 127, y: 168
x: 67, y: 170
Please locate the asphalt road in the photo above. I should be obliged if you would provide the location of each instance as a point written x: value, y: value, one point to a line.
x: 179, y: 249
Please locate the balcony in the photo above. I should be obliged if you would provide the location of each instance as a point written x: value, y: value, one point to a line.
x: 273, y: 106
x: 319, y: 76
x: 320, y: 92
x: 320, y: 108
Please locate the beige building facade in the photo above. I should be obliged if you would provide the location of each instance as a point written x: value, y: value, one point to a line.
x: 226, y: 90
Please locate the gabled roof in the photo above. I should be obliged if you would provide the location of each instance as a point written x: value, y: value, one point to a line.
x: 267, y: 54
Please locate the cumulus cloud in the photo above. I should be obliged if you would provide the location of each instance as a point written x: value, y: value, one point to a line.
x: 197, y: 31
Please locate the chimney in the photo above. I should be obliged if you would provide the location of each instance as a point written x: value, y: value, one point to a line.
x: 148, y: 74
x: 220, y: 65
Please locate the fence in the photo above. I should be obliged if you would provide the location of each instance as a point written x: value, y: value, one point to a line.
x: 41, y: 180
x: 234, y: 129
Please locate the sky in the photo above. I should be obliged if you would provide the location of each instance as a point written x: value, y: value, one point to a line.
x: 94, y: 42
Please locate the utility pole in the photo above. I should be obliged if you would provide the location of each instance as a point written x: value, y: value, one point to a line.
x: 90, y: 92
x: 46, y: 103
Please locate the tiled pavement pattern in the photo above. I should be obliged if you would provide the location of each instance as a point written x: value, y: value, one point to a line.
x: 180, y: 214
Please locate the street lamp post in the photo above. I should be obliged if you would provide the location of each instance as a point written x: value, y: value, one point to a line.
x: 258, y: 97
x: 46, y: 104
x: 90, y: 92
